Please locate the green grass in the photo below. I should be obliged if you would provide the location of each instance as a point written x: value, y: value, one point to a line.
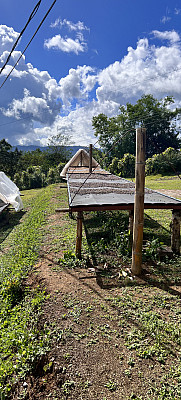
x: 147, y: 316
x: 21, y: 344
x: 157, y: 182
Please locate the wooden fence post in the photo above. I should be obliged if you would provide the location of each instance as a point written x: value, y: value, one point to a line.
x: 79, y: 234
x: 90, y: 158
x: 81, y: 159
x: 130, y: 227
x: 175, y: 237
x: 139, y: 201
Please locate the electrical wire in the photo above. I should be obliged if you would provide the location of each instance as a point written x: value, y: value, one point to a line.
x: 21, y: 33
x: 39, y: 26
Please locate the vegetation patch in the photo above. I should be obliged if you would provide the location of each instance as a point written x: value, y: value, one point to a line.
x: 101, y: 333
x: 21, y: 343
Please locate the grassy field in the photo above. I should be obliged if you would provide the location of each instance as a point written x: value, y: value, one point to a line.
x: 109, y: 337
x: 157, y: 182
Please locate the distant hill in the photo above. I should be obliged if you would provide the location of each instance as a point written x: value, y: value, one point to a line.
x: 73, y: 149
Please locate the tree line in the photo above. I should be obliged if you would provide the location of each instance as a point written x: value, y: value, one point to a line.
x: 116, y: 135
x: 33, y: 169
x: 116, y: 138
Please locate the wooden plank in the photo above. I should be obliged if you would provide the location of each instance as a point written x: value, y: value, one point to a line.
x: 64, y: 210
x: 125, y: 207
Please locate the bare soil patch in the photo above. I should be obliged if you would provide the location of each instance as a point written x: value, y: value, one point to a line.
x: 91, y: 360
x: 172, y: 193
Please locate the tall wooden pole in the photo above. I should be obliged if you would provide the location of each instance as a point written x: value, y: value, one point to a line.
x: 90, y: 158
x: 139, y: 201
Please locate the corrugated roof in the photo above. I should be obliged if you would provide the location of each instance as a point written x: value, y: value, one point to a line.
x: 103, y: 190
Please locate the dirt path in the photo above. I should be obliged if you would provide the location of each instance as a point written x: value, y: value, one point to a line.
x: 171, y: 193
x: 89, y: 358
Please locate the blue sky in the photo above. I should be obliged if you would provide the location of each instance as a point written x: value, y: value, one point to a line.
x: 87, y: 58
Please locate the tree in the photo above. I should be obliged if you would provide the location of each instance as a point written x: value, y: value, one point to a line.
x: 9, y: 160
x: 57, y: 151
x: 161, y: 123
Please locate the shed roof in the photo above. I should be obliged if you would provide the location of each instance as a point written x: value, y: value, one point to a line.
x: 81, y: 158
x: 102, y: 190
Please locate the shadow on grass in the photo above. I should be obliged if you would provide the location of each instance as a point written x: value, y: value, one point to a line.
x: 8, y: 220
x: 166, y: 276
x: 152, y: 230
x: 101, y: 229
x: 111, y: 305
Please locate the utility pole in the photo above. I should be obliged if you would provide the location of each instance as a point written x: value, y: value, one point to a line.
x: 139, y: 201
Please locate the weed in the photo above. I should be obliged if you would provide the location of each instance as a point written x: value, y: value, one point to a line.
x: 70, y: 260
x: 67, y: 386
x: 151, y: 249
x: 111, y: 386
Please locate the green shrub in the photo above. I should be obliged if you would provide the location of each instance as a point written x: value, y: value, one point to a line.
x: 164, y: 163
x: 113, y: 168
x: 126, y: 166
x: 53, y: 176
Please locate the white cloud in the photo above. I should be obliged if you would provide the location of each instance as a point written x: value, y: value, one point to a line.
x: 36, y: 107
x: 165, y: 19
x: 29, y: 95
x: 77, y: 84
x: 78, y: 26
x: 146, y: 69
x: 177, y: 11
x: 66, y: 45
x: 78, y: 123
x: 32, y: 97
x: 7, y: 38
x: 172, y: 36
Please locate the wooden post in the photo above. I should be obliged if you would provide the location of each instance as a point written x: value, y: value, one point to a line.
x: 81, y: 159
x: 175, y: 237
x: 139, y: 201
x: 90, y: 158
x: 79, y: 234
x: 130, y: 227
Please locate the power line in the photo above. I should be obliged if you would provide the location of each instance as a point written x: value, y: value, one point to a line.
x: 28, y: 43
x: 21, y: 33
